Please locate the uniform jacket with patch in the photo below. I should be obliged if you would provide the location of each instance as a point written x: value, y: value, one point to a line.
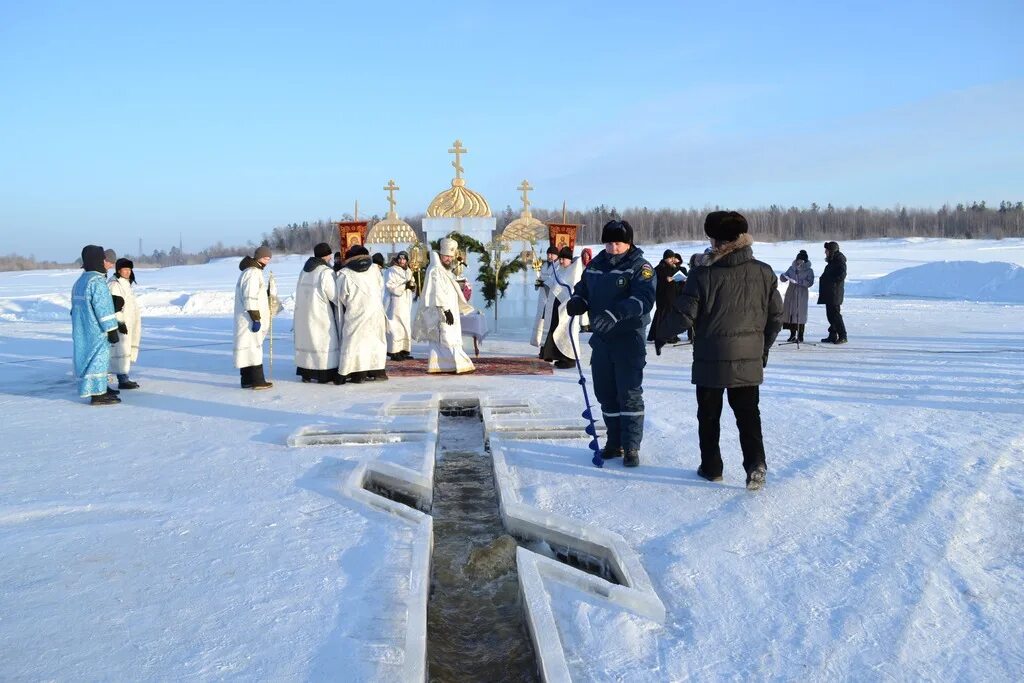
x: 621, y: 285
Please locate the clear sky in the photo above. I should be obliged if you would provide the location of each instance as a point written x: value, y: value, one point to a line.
x: 220, y: 120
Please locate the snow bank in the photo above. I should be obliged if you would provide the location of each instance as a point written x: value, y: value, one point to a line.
x: 963, y: 280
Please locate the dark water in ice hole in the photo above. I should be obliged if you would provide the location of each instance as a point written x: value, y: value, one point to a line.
x: 476, y: 629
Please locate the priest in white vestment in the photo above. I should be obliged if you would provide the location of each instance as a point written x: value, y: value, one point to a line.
x: 399, y: 289
x: 543, y: 286
x: 361, y: 318
x: 559, y: 335
x: 316, y: 327
x: 438, y: 321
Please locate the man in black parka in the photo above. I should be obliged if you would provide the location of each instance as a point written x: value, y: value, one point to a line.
x: 734, y: 307
x: 830, y: 292
x: 666, y: 289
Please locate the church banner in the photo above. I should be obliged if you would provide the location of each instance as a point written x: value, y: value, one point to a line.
x: 351, y: 233
x: 562, y: 235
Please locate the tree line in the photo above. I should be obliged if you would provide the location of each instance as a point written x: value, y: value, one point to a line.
x: 769, y: 224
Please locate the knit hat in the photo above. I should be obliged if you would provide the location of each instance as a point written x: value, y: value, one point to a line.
x: 565, y: 252
x: 378, y: 258
x: 92, y: 258
x: 724, y: 226
x: 553, y: 250
x: 110, y: 255
x: 802, y: 256
x: 448, y: 247
x: 617, y: 231
x: 668, y: 254
x: 261, y: 252
x: 356, y: 250
x: 321, y: 250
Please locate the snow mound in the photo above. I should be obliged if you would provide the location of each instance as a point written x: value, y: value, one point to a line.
x: 960, y: 280
x: 36, y: 308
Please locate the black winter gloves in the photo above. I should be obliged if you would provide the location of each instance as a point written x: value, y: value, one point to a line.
x: 122, y: 328
x: 118, y: 303
x: 112, y: 336
x: 603, y: 322
x: 576, y: 306
x: 409, y: 284
x: 449, y: 318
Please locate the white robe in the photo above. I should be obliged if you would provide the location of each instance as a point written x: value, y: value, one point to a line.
x: 250, y: 295
x: 569, y: 275
x: 398, y: 308
x: 537, y: 336
x: 442, y: 293
x: 316, y: 326
x: 126, y: 350
x: 361, y: 320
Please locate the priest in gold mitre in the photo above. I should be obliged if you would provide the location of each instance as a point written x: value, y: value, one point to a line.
x: 441, y: 304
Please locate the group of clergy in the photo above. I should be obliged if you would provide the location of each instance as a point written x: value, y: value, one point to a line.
x: 353, y: 316
x: 554, y: 332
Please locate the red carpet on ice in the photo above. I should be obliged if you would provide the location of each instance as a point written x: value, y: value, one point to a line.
x: 485, y: 365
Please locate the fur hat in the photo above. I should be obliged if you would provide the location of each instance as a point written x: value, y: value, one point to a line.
x: 92, y: 258
x: 565, y: 252
x: 553, y: 250
x: 123, y: 263
x: 448, y: 247
x: 668, y: 254
x: 802, y: 256
x: 831, y: 246
x: 617, y: 231
x: 321, y: 250
x: 401, y: 254
x: 725, y: 226
x: 378, y: 258
x: 356, y: 250
x: 110, y: 255
x: 261, y: 252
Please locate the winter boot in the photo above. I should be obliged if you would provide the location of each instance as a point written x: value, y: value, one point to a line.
x: 609, y: 452
x: 128, y: 384
x: 841, y: 340
x: 830, y: 340
x: 631, y: 458
x: 705, y: 475
x: 104, y: 400
x: 355, y: 377
x: 564, y: 364
x: 755, y: 478
x: 381, y: 375
x: 792, y: 337
x: 259, y: 382
x: 112, y: 392
x: 800, y: 333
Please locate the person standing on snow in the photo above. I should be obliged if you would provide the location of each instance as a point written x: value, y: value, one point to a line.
x: 559, y: 334
x: 361, y: 319
x: 831, y: 285
x: 617, y: 289
x: 543, y: 285
x: 732, y: 303
x: 399, y: 289
x: 252, y: 310
x: 441, y: 305
x: 93, y: 328
x: 800, y: 277
x: 129, y: 323
x: 316, y: 326
x: 667, y: 287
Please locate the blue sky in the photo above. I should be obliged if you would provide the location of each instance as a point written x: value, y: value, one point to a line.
x: 128, y: 120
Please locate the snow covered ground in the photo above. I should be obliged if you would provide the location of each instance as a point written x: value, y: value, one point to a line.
x: 177, y: 536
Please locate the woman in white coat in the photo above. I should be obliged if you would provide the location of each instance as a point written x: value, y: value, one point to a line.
x: 399, y: 288
x: 438, y: 319
x: 559, y: 335
x: 361, y: 318
x: 129, y: 323
x: 252, y: 314
x: 316, y: 326
x: 800, y: 277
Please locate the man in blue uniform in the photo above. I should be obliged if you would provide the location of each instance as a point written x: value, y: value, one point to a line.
x: 617, y: 289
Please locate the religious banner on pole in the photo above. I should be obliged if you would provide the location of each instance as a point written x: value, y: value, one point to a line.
x: 562, y: 235
x: 351, y: 233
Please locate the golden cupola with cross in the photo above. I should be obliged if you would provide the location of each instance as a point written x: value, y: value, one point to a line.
x: 458, y: 201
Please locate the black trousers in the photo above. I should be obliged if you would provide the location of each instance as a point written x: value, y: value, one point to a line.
x: 836, y: 326
x: 252, y: 375
x: 744, y: 404
x: 617, y: 366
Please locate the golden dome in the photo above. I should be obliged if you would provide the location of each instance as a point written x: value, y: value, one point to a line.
x: 525, y: 229
x: 459, y: 201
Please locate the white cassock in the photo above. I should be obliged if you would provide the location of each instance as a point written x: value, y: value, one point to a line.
x: 442, y: 293
x: 537, y: 337
x: 316, y: 326
x: 126, y: 350
x: 398, y: 308
x: 251, y: 294
x: 569, y: 275
x: 361, y: 318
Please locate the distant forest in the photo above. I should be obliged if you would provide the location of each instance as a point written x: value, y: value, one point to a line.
x: 652, y: 226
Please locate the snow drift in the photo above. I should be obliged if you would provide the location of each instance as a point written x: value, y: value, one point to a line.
x: 963, y: 280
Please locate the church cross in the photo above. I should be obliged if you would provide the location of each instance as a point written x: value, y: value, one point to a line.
x: 525, y: 188
x: 458, y: 150
x: 391, y: 187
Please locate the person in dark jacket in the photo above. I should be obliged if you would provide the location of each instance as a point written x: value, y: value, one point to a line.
x: 617, y: 289
x: 831, y: 285
x: 668, y: 286
x: 733, y: 304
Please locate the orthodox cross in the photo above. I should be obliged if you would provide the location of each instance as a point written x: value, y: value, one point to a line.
x: 391, y: 187
x: 525, y: 189
x: 458, y: 150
